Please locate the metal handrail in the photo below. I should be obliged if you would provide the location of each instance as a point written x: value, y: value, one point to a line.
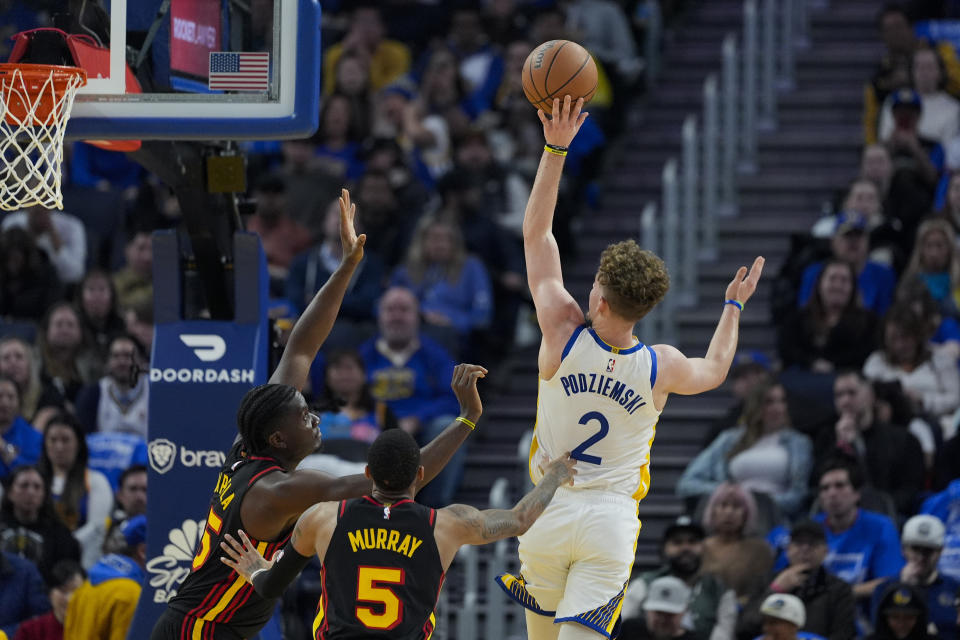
x: 742, y: 102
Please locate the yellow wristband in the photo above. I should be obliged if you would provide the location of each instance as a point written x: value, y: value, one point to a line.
x: 472, y: 425
x: 555, y: 152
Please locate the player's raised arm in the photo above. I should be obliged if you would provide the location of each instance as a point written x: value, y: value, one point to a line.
x: 557, y: 311
x: 317, y: 320
x: 687, y: 376
x: 460, y: 524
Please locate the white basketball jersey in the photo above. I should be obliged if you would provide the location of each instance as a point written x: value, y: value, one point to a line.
x: 599, y: 406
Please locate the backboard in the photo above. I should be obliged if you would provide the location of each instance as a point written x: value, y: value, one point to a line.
x: 212, y: 69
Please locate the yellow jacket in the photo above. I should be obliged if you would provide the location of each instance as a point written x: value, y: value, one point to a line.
x: 390, y: 61
x: 102, y: 612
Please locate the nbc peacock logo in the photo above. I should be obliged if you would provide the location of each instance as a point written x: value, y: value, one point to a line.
x: 169, y: 570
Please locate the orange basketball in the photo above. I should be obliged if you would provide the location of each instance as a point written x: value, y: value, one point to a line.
x: 555, y: 69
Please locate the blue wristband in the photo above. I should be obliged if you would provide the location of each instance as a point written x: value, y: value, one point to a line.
x: 736, y: 303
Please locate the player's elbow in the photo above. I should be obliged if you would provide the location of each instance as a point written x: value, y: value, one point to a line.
x: 524, y: 520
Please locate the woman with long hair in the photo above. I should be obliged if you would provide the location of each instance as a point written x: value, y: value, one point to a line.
x: 29, y: 527
x: 734, y: 550
x: 927, y: 373
x: 67, y: 361
x: 452, y: 286
x: 350, y: 417
x: 763, y: 454
x: 18, y: 362
x: 833, y: 331
x: 81, y: 496
x: 19, y: 441
x: 99, y: 313
x: 936, y: 260
x: 338, y: 140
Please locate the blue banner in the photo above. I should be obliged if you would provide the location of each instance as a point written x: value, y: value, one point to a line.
x: 939, y: 30
x: 199, y: 372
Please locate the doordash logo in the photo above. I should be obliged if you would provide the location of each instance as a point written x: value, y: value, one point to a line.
x: 207, y: 347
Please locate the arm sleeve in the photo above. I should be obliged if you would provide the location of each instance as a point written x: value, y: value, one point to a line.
x: 945, y: 398
x: 726, y: 617
x: 842, y: 625
x: 887, y: 559
x: 700, y: 476
x: 272, y: 583
x: 71, y: 259
x: 801, y: 461
x: 91, y: 535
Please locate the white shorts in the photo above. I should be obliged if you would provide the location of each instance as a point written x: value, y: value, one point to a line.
x: 575, y: 560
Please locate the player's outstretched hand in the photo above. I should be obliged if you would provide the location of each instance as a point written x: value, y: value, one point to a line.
x: 744, y: 284
x: 464, y: 384
x: 352, y: 244
x: 561, y: 128
x: 244, y: 558
x: 562, y: 467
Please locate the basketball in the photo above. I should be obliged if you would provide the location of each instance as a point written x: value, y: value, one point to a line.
x: 555, y: 69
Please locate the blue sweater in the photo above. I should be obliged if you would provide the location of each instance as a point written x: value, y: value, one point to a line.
x: 468, y: 302
x: 420, y: 387
x: 25, y: 438
x: 876, y: 284
x: 22, y: 593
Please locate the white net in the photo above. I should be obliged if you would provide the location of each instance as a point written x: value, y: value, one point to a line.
x: 35, y: 103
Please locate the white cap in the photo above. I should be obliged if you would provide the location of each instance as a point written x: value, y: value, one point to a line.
x: 924, y: 531
x: 667, y: 594
x: 785, y: 607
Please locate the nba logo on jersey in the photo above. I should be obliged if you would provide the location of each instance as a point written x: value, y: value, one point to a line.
x: 610, y: 363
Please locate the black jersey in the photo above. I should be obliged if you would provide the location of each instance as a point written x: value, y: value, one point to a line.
x: 214, y: 596
x: 381, y: 574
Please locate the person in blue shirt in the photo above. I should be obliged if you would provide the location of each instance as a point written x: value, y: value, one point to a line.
x: 864, y: 548
x: 22, y: 592
x: 851, y: 243
x: 453, y: 287
x: 922, y: 541
x: 410, y: 372
x: 946, y: 506
x: 20, y: 443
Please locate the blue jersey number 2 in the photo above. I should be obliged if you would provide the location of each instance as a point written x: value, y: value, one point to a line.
x: 580, y: 452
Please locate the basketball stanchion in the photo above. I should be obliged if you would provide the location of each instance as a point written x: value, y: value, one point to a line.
x: 35, y: 104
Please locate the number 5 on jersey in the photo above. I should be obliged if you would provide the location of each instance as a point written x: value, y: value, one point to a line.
x: 580, y: 453
x: 214, y: 523
x: 369, y: 589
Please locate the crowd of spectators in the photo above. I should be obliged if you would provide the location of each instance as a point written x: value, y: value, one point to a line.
x: 828, y: 499
x: 424, y: 119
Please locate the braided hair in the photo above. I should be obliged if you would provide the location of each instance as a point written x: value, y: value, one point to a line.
x: 259, y: 412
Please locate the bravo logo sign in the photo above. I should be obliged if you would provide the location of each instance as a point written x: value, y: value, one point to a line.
x: 169, y: 570
x: 163, y: 455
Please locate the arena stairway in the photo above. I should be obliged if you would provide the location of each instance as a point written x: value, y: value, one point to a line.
x: 814, y: 151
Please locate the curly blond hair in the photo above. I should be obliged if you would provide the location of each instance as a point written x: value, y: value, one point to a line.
x: 634, y: 280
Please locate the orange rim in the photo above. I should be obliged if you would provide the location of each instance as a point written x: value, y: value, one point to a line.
x: 34, y: 79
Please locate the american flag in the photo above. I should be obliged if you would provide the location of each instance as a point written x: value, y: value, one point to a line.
x: 239, y: 71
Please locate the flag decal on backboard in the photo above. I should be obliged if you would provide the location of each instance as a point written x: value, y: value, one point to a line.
x: 239, y: 71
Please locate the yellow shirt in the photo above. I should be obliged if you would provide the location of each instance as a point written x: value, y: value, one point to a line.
x: 102, y: 612
x: 390, y: 61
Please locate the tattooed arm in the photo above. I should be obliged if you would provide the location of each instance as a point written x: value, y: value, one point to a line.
x: 460, y: 524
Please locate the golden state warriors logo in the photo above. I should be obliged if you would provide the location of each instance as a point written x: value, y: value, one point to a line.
x: 901, y: 597
x: 162, y: 454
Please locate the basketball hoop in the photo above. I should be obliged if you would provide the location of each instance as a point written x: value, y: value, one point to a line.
x: 35, y: 103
